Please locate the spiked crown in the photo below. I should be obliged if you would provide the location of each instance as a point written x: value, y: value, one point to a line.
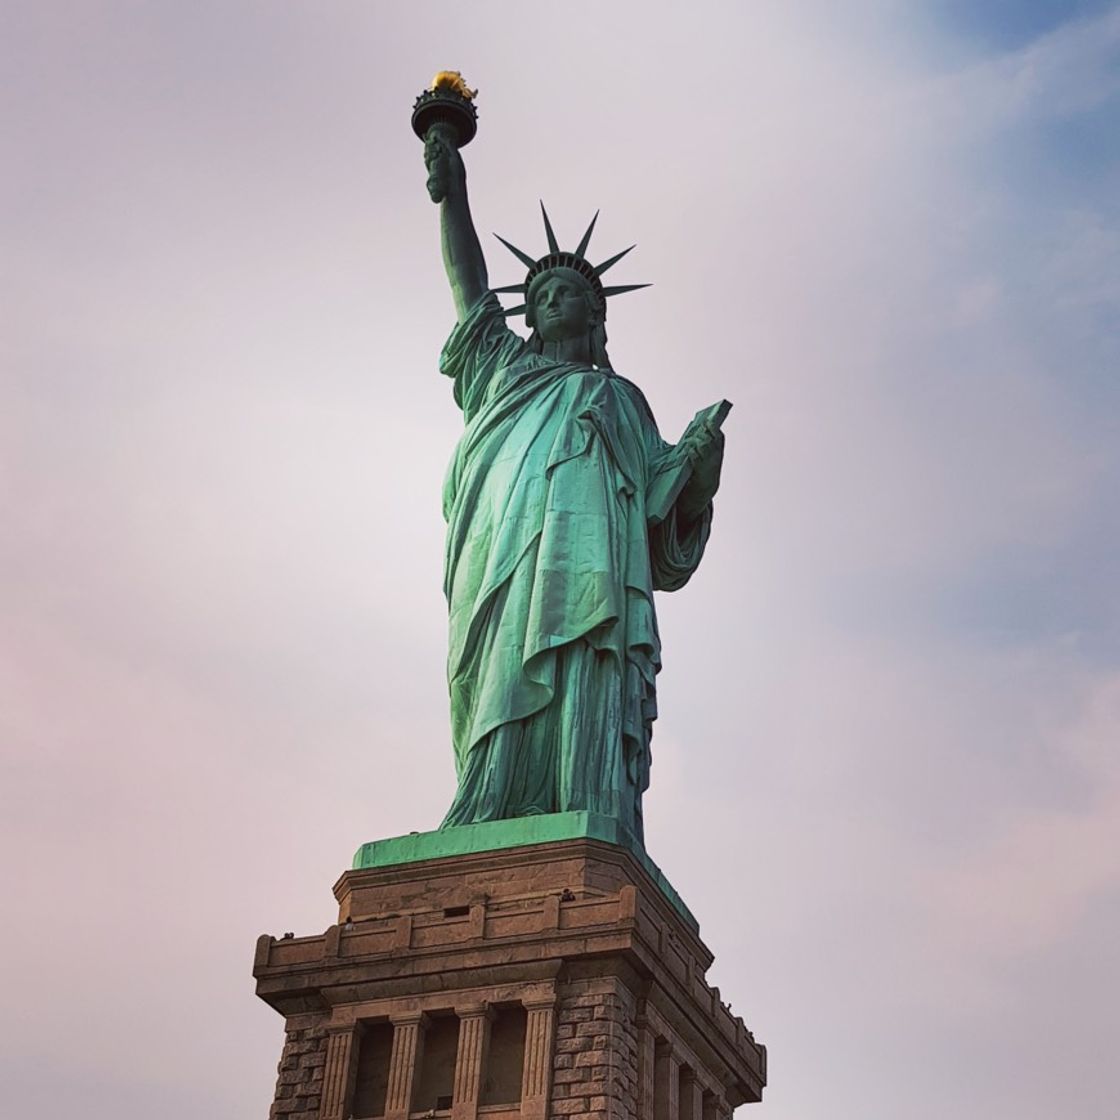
x: 559, y: 258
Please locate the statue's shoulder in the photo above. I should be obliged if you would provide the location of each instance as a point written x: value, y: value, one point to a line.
x: 625, y: 385
x: 483, y: 332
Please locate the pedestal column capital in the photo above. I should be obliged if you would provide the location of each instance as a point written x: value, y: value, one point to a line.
x: 474, y: 1011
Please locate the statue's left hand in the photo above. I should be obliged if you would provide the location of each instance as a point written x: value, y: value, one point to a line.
x: 703, y: 445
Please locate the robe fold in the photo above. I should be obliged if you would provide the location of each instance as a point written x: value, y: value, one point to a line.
x: 550, y: 568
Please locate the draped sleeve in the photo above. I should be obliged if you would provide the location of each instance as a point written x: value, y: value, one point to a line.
x: 477, y: 353
x: 675, y: 551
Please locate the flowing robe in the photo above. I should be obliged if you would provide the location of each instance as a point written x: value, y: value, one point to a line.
x: 551, y: 563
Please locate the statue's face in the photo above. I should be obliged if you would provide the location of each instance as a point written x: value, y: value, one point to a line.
x: 561, y: 308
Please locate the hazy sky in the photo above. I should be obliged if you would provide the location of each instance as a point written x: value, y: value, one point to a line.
x: 887, y: 769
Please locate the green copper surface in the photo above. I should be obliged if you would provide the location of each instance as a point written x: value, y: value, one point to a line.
x: 524, y: 831
x: 565, y: 511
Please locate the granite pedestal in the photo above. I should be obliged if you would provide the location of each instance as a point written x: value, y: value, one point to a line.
x: 471, y: 975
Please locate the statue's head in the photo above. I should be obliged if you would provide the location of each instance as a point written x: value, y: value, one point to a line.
x: 561, y: 303
x: 564, y: 297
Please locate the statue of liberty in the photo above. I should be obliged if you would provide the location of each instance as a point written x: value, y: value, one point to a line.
x: 565, y: 511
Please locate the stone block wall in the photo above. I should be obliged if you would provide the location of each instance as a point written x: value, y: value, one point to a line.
x: 595, y: 1068
x: 299, y: 1080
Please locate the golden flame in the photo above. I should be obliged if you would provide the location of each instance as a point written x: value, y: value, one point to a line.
x: 453, y: 80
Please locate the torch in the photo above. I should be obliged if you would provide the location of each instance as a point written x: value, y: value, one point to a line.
x: 445, y: 109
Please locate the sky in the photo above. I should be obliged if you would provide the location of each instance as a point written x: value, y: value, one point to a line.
x: 887, y: 768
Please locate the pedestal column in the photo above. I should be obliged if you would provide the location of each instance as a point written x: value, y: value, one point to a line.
x: 647, y: 1059
x: 691, y: 1097
x: 536, y: 1078
x: 407, y: 1053
x: 666, y: 1083
x: 339, y: 1072
x: 714, y: 1108
x: 470, y: 1059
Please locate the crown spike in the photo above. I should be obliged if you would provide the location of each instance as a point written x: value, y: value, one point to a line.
x: 524, y: 258
x: 511, y: 289
x: 618, y: 289
x: 514, y: 310
x: 581, y: 249
x: 600, y: 269
x: 553, y: 244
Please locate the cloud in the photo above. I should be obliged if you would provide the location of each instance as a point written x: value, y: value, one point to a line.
x: 1031, y: 884
x: 890, y: 695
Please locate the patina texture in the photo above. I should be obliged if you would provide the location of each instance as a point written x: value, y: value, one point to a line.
x: 551, y: 569
x: 566, y: 510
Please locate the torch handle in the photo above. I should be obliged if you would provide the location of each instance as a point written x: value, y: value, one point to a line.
x: 441, y: 153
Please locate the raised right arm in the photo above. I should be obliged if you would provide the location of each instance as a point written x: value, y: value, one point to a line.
x: 462, y: 253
